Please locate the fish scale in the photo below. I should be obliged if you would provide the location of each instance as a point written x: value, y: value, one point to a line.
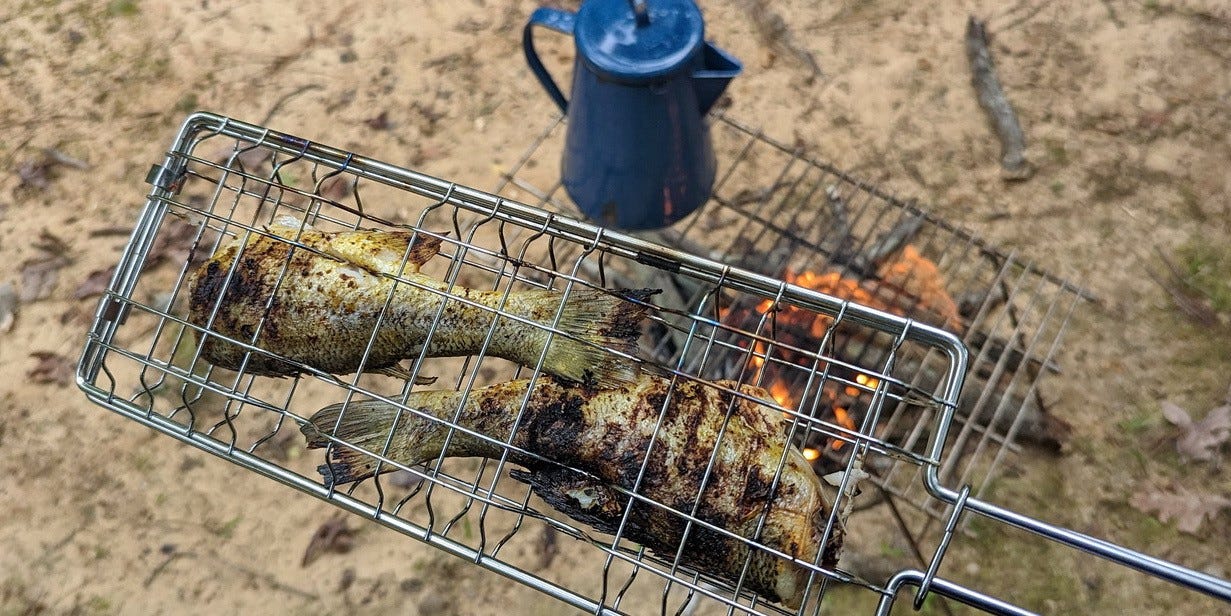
x: 643, y: 437
x: 319, y: 298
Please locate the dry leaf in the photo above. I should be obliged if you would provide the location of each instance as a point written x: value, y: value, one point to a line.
x: 51, y: 368
x: 337, y: 187
x: 35, y: 173
x: 332, y: 536
x: 39, y: 277
x: 1199, y: 440
x: 548, y: 546
x: 8, y: 306
x: 1189, y: 509
x: 40, y: 274
x: 379, y: 122
x: 173, y: 243
x: 94, y: 284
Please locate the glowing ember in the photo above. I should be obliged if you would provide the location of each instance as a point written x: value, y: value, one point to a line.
x: 870, y: 382
x: 908, y: 285
x: 911, y: 277
x: 920, y: 278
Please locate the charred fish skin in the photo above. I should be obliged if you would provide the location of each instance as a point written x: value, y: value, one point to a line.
x: 320, y: 306
x: 670, y: 430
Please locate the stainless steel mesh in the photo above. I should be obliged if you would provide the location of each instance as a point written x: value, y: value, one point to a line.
x: 223, y: 179
x: 787, y: 216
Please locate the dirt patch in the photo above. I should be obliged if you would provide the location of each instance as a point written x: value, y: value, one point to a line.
x: 1126, y: 108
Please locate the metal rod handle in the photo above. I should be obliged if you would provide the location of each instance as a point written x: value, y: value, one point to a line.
x: 947, y: 589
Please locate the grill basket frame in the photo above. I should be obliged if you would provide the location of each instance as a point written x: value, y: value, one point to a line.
x: 469, y: 210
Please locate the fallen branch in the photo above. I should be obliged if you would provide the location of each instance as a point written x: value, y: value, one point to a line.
x: 993, y: 100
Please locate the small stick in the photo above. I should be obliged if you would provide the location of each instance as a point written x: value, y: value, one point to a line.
x: 64, y: 159
x: 897, y: 237
x: 992, y: 98
x: 1190, y: 301
x: 773, y: 32
x: 841, y: 221
x: 273, y: 109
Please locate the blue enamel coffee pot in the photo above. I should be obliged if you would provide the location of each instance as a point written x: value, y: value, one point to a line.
x: 637, y: 148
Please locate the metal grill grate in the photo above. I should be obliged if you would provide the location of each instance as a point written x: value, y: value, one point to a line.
x: 224, y: 180
x: 782, y: 215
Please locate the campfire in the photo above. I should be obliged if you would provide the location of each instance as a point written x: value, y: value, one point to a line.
x: 907, y: 284
x: 816, y: 227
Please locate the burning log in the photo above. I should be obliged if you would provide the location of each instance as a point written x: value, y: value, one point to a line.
x: 899, y: 280
x: 910, y: 286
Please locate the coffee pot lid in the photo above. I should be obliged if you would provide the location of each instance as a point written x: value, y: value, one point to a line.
x: 638, y: 40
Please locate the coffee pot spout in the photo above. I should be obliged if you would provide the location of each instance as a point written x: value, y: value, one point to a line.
x: 717, y: 70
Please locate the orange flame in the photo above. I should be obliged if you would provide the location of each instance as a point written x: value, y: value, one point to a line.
x: 910, y: 274
x: 758, y: 355
x: 844, y: 419
x: 920, y: 277
x: 781, y: 394
x: 910, y: 283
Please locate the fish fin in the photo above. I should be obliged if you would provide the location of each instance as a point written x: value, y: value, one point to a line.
x: 398, y: 372
x: 578, y: 496
x: 601, y: 322
x: 288, y: 227
x: 364, y: 425
x: 383, y: 252
x: 379, y: 252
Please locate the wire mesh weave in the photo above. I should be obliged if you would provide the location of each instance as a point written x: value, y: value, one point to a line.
x: 782, y: 214
x: 223, y: 180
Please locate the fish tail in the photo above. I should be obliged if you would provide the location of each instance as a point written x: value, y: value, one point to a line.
x: 363, y: 427
x: 363, y: 433
x: 599, y: 322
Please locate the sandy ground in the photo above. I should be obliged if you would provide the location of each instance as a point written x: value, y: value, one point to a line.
x: 1126, y: 105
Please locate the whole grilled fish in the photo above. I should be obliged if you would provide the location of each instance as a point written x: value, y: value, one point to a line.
x: 608, y: 434
x: 319, y: 307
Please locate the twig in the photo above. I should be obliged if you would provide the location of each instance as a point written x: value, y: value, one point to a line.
x: 902, y: 232
x: 992, y: 99
x: 55, y: 547
x: 286, y: 97
x: 910, y: 538
x: 774, y: 33
x: 841, y: 219
x: 149, y: 579
x: 1189, y: 300
x: 267, y: 578
x: 1027, y: 16
x: 66, y: 160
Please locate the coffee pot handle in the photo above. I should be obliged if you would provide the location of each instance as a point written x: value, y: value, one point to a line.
x: 555, y: 19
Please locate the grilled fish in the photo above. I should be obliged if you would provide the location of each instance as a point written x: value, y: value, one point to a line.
x: 319, y: 307
x: 608, y: 435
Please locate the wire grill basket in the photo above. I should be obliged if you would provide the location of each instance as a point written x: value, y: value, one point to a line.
x: 224, y: 180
